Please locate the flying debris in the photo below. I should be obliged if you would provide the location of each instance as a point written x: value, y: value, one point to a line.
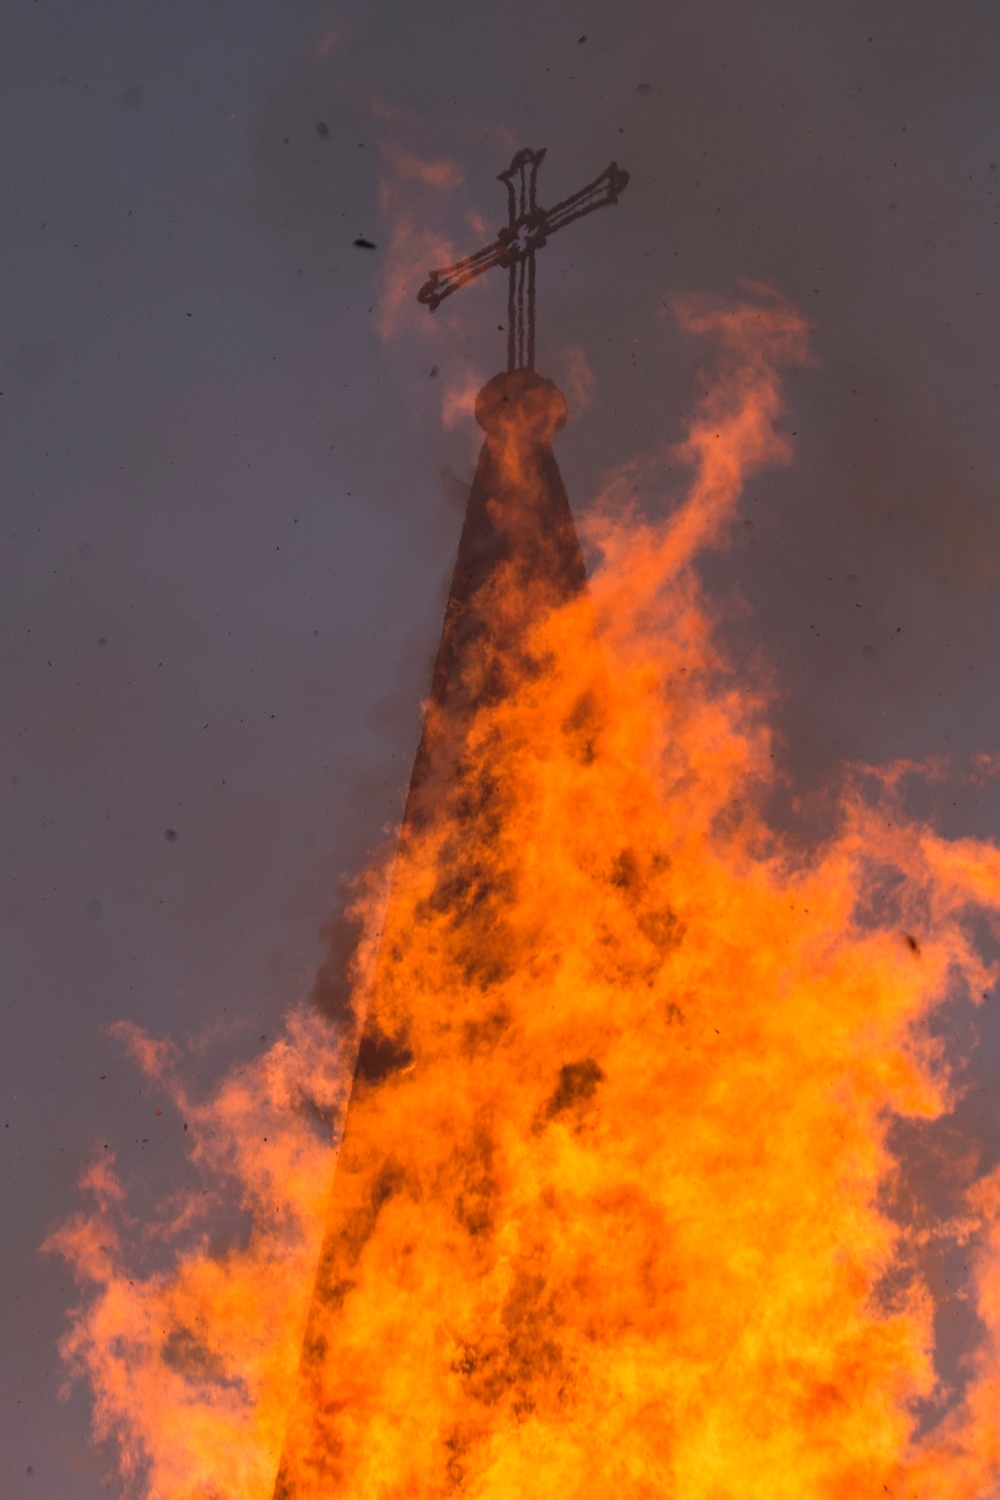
x: 322, y: 130
x: 364, y: 244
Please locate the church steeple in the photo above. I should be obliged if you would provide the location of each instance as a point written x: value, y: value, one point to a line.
x: 518, y: 517
x: 435, y: 1015
x: 518, y: 522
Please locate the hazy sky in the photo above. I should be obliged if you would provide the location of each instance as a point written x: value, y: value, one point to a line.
x: 232, y: 487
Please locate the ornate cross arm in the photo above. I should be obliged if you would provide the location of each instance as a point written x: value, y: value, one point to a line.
x: 442, y: 283
x: 600, y: 193
x: 526, y: 231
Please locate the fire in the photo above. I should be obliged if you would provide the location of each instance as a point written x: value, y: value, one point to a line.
x: 609, y: 1214
x: 190, y: 1347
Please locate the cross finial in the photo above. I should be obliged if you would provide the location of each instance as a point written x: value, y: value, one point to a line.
x: 527, y: 230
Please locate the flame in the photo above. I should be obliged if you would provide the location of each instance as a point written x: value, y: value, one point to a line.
x: 440, y: 173
x: 191, y: 1353
x: 581, y: 382
x: 458, y: 396
x: 329, y: 40
x: 413, y: 249
x: 609, y: 1215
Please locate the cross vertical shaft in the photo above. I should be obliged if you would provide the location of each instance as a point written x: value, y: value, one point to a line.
x: 520, y: 179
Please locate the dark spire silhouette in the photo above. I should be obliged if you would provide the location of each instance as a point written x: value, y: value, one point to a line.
x: 518, y: 518
x: 518, y: 513
x: 519, y: 538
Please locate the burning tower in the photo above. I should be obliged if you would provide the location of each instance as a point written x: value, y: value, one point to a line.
x: 354, y: 1431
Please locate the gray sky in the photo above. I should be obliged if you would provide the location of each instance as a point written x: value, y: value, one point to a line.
x: 230, y: 504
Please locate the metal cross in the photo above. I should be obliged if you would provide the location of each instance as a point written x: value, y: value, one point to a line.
x: 527, y: 230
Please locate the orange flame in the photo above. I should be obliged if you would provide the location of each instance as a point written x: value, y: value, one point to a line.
x: 191, y: 1364
x: 607, y: 1216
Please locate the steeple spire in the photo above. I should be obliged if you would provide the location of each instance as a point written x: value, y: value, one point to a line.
x: 518, y: 560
